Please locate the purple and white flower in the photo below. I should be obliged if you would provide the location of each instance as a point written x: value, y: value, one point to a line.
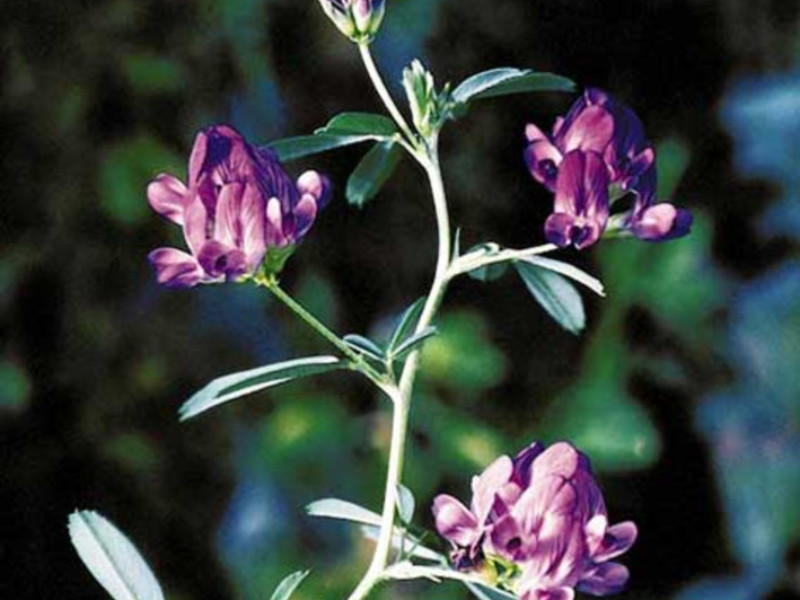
x: 238, y: 203
x: 357, y: 19
x: 542, y: 512
x: 599, y: 131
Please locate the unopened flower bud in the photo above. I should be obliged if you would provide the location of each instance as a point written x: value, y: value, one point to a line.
x: 357, y: 19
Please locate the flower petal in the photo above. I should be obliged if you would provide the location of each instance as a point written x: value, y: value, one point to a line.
x: 319, y: 186
x: 454, y: 521
x: 486, y: 486
x: 602, y: 580
x: 168, y: 197
x: 175, y: 268
x: 661, y: 222
x: 542, y: 157
x: 617, y: 540
x: 592, y: 130
x: 304, y: 214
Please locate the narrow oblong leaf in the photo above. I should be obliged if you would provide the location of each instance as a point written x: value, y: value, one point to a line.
x: 111, y: 557
x: 480, y: 82
x: 529, y: 82
x: 555, y: 294
x: 506, y: 81
x: 405, y: 503
x: 372, y: 172
x: 413, y: 342
x: 487, y: 592
x: 289, y: 584
x: 236, y: 385
x: 364, y: 345
x: 289, y: 149
x: 334, y: 508
x: 568, y: 270
x: 360, y: 123
x: 407, y: 323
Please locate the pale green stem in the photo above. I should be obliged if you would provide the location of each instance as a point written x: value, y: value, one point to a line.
x: 357, y: 361
x: 383, y: 92
x: 469, y: 262
x: 409, y: 571
x: 402, y: 405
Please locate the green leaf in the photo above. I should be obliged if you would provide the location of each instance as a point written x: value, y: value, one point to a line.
x: 289, y: 584
x: 236, y: 385
x: 405, y: 503
x: 556, y: 295
x: 568, y: 270
x: 111, y: 557
x: 360, y: 123
x: 334, y: 508
x: 289, y: 149
x: 504, y: 81
x: 488, y: 273
x: 407, y: 323
x: 531, y: 82
x: 486, y: 592
x: 364, y: 345
x: 413, y: 342
x: 372, y: 172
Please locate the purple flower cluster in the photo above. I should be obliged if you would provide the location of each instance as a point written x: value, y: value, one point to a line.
x: 238, y: 203
x: 543, y: 513
x: 599, y: 143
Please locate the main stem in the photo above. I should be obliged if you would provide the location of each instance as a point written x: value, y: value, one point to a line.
x: 402, y: 405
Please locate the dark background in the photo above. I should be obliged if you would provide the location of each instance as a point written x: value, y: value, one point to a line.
x: 684, y: 390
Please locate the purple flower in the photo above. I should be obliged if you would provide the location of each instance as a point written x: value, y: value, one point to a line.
x: 651, y: 221
x: 542, y: 512
x: 357, y: 19
x: 599, y: 133
x: 239, y: 202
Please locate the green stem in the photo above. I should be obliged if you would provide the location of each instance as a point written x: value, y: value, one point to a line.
x: 380, y: 559
x: 356, y: 359
x: 383, y: 92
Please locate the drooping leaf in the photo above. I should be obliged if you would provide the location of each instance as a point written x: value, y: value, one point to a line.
x: 568, y: 270
x: 407, y: 323
x: 555, y: 294
x: 372, y: 172
x: 360, y: 123
x: 111, y: 557
x: 289, y: 584
x: 405, y: 503
x: 504, y: 81
x: 413, y: 342
x: 236, y: 385
x: 334, y: 508
x: 289, y: 149
x: 364, y: 345
x: 488, y: 273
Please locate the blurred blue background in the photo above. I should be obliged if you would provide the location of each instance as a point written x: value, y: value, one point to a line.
x: 685, y: 390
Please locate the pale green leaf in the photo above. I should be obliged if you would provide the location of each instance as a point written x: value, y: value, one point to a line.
x: 405, y: 503
x: 555, y: 294
x: 568, y: 270
x: 289, y: 584
x: 334, y: 508
x: 111, y: 557
x: 236, y: 385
